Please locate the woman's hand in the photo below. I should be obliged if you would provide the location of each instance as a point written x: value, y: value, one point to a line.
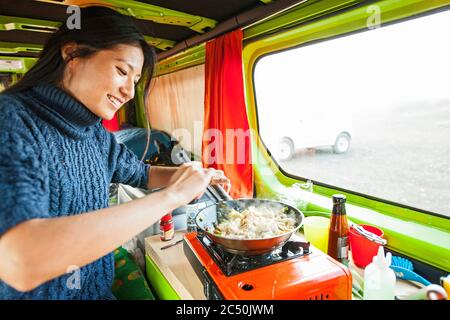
x: 219, y: 178
x: 190, y: 181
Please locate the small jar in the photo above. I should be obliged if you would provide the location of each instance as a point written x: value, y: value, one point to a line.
x: 166, y: 227
x: 191, y: 212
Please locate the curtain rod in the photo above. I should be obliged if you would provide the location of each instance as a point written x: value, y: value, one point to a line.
x: 244, y: 20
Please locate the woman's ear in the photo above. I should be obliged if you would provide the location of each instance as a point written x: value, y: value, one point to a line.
x: 68, y: 50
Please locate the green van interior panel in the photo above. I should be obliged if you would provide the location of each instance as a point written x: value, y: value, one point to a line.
x: 162, y: 44
x: 8, y: 23
x: 150, y: 12
x: 188, y: 58
x: 419, y: 235
x: 158, y: 282
x: 16, y: 64
x: 13, y: 47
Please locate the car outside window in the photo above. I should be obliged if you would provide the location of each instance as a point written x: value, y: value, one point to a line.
x: 367, y: 112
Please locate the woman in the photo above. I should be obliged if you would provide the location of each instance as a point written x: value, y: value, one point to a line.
x: 57, y: 161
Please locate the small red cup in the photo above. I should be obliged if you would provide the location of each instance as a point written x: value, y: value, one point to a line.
x: 363, y: 250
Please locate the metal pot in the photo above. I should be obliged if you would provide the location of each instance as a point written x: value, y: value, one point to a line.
x: 212, y: 215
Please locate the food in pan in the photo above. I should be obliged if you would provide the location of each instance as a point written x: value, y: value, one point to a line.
x: 255, y: 223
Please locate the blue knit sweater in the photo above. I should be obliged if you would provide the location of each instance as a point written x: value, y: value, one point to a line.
x: 57, y: 160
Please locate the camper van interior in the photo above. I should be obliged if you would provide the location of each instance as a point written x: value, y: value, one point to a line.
x: 329, y: 119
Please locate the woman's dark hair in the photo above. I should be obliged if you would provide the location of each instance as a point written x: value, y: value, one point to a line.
x: 101, y: 28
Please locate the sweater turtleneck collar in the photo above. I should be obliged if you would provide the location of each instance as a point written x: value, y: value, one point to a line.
x: 64, y: 110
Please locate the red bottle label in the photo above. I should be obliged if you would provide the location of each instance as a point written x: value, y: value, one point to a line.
x: 342, y: 247
x: 167, y: 230
x: 167, y: 235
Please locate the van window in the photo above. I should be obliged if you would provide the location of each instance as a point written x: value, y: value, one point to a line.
x: 367, y: 112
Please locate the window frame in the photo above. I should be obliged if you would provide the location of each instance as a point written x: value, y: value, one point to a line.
x: 419, y: 234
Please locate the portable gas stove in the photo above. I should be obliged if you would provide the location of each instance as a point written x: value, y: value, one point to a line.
x: 294, y: 271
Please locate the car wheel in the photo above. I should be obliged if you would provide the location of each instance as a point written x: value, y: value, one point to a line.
x: 285, y: 149
x: 342, y: 143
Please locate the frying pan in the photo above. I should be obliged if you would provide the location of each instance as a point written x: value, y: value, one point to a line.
x: 212, y: 215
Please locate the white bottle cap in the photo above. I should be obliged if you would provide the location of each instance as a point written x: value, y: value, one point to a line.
x: 380, y: 260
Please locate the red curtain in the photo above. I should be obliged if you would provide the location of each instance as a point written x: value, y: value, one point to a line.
x: 111, y: 125
x: 226, y: 142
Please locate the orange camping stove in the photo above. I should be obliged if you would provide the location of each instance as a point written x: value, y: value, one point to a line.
x: 294, y: 272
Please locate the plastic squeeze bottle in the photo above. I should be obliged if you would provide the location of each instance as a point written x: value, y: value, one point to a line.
x: 379, y: 279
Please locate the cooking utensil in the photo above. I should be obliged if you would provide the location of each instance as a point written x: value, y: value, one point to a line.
x: 212, y: 215
x: 431, y: 292
x: 404, y: 269
x: 172, y: 244
x: 363, y: 249
x: 367, y: 234
x: 215, y: 192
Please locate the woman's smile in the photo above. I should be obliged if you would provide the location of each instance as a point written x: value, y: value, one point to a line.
x: 116, y: 102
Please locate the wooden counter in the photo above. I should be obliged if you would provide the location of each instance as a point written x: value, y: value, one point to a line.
x: 175, y: 267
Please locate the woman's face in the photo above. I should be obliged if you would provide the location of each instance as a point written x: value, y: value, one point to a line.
x: 104, y: 81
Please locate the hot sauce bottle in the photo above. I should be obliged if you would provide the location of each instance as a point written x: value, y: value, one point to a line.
x: 338, y: 233
x: 166, y: 227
